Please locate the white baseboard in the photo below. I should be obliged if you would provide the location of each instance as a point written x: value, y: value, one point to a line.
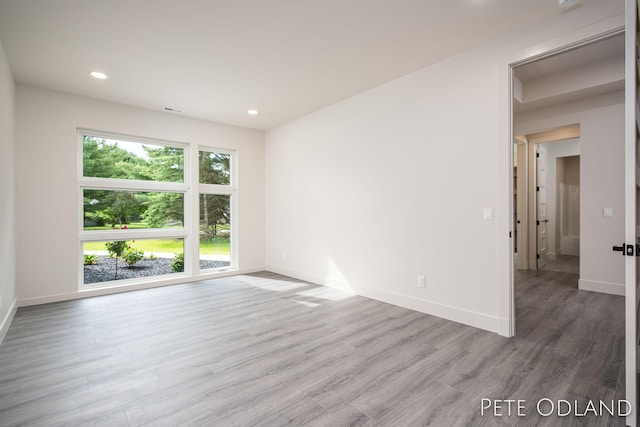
x: 467, y: 317
x: 317, y: 280
x: 604, y: 287
x: 94, y: 292
x: 6, y: 322
x: 504, y: 328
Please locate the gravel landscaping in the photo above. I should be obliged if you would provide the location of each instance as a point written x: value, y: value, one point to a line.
x: 105, y: 268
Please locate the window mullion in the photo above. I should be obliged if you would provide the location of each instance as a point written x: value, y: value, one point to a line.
x: 215, y: 189
x: 124, y: 184
x: 127, y: 234
x: 192, y: 212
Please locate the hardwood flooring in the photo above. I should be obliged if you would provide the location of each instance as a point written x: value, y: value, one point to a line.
x: 267, y: 350
x: 563, y: 263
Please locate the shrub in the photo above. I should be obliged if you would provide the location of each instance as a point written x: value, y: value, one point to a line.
x: 116, y: 249
x: 100, y: 218
x: 131, y: 256
x: 90, y: 259
x: 177, y: 265
x: 152, y: 257
x: 95, y: 219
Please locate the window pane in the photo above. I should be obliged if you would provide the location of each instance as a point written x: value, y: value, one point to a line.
x: 215, y: 231
x: 108, y: 158
x: 215, y: 168
x: 105, y: 209
x: 135, y: 259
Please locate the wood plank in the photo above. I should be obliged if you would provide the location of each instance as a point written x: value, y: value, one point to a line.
x: 264, y: 349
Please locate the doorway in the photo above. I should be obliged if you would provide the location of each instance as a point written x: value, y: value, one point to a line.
x: 536, y: 85
x: 556, y: 200
x: 565, y: 228
x: 557, y: 209
x: 549, y: 103
x: 546, y: 179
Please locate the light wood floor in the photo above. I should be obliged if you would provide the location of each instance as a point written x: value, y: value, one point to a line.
x: 268, y: 350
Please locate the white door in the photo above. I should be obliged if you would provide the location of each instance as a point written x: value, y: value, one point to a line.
x: 541, y: 205
x: 631, y: 187
x: 521, y: 205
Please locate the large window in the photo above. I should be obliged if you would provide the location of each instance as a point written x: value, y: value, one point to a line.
x: 117, y: 158
x: 215, y: 192
x: 139, y: 201
x: 138, y: 209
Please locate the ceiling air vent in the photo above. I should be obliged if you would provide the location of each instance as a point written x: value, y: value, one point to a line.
x: 567, y: 3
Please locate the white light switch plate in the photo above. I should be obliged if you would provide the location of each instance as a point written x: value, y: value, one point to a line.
x: 488, y: 214
x: 607, y: 212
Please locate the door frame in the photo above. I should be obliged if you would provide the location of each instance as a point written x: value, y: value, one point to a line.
x: 581, y: 37
x: 631, y: 206
x: 522, y: 208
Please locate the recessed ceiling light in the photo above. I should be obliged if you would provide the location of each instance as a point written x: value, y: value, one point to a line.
x: 98, y: 75
x: 253, y: 112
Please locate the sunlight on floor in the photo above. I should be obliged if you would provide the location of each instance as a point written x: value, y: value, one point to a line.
x: 307, y: 303
x: 274, y: 285
x: 330, y: 294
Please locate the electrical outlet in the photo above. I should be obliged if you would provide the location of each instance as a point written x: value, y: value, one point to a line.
x: 422, y: 281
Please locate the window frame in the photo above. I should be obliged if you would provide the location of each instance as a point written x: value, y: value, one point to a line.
x: 190, y: 188
x: 118, y: 184
x: 215, y: 189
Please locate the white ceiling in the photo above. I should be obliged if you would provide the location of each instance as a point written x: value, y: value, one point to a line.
x: 611, y: 48
x: 562, y: 71
x: 215, y: 59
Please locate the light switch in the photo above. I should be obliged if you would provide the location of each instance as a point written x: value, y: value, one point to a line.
x: 607, y: 212
x: 488, y: 214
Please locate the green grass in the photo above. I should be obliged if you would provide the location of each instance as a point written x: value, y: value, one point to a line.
x: 130, y: 226
x: 217, y: 246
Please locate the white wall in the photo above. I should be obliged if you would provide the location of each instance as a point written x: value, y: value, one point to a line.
x: 46, y: 166
x: 371, y: 192
x: 8, y: 292
x: 601, y: 122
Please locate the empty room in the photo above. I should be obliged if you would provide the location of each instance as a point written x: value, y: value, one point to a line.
x: 336, y: 213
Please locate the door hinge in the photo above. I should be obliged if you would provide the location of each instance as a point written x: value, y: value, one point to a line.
x: 537, y: 222
x: 509, y: 234
x: 538, y: 256
x: 537, y: 154
x: 537, y: 188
